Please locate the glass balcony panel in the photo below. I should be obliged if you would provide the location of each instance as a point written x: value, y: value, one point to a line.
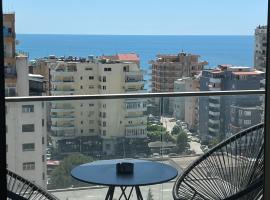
x: 171, y: 130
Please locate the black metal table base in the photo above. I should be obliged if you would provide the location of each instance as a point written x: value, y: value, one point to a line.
x: 111, y: 189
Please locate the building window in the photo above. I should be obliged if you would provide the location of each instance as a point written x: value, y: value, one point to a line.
x: 81, y: 105
x: 27, y: 108
x: 247, y: 113
x: 104, y: 78
x: 28, y: 128
x: 91, y: 86
x: 247, y: 122
x: 28, y: 147
x: 91, y: 77
x: 81, y: 122
x: 29, y: 166
x: 104, y: 124
x: 81, y: 130
x: 42, y: 122
x: 88, y: 68
x: 43, y: 176
x: 91, y: 105
x: 104, y: 87
x: 81, y: 77
x: 43, y: 140
x: 107, y: 69
x: 104, y: 105
x: 91, y: 130
x: 104, y: 115
x: 104, y: 132
x: 81, y: 87
x: 43, y: 158
x: 240, y: 112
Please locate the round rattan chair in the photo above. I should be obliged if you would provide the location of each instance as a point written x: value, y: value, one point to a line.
x: 233, y: 169
x: 22, y: 189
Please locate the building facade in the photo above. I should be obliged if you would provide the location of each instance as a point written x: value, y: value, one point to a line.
x: 75, y: 124
x: 215, y: 112
x: 186, y: 108
x: 168, y: 68
x: 25, y: 122
x: 260, y: 48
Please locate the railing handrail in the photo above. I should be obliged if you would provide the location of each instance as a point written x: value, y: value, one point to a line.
x: 134, y: 95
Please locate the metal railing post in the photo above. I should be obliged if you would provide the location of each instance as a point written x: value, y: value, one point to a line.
x: 3, y: 174
x: 266, y: 192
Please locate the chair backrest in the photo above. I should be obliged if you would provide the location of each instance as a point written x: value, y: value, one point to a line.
x: 229, y: 168
x: 22, y: 189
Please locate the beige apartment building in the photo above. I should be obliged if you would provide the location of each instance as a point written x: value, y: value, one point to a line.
x: 108, y: 119
x: 168, y: 68
x: 25, y: 131
x: 9, y: 53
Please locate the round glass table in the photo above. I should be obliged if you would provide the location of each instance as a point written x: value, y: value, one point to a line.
x: 103, y: 172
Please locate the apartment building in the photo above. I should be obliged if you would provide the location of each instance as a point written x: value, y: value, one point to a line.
x: 260, y: 47
x: 217, y: 114
x: 25, y: 132
x: 9, y: 54
x: 186, y: 108
x: 168, y: 68
x: 75, y: 124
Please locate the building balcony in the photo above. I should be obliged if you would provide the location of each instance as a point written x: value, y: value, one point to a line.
x: 63, y: 109
x: 212, y: 121
x: 59, y: 82
x: 214, y: 105
x: 62, y: 127
x: 138, y: 118
x: 214, y: 113
x: 55, y: 118
x: 214, y: 130
x: 62, y: 92
x: 63, y: 73
x: 135, y: 131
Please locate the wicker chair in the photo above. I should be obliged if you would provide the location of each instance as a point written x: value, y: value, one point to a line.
x: 22, y: 189
x: 233, y: 169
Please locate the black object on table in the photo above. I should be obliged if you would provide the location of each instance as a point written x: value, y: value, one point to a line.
x: 103, y: 172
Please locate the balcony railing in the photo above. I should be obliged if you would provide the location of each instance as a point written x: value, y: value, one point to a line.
x: 119, y: 137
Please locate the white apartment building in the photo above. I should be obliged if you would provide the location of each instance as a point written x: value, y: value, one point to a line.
x: 109, y: 119
x: 260, y: 48
x: 186, y: 108
x: 26, y: 131
x: 26, y: 140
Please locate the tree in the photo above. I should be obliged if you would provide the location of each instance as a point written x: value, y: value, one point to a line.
x: 176, y: 130
x: 181, y: 141
x: 61, y: 177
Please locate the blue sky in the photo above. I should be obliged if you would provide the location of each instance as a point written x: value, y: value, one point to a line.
x: 138, y: 17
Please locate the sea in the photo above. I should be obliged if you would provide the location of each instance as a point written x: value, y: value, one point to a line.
x: 236, y: 50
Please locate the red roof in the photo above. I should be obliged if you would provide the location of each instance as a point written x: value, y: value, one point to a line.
x: 128, y: 57
x: 248, y: 73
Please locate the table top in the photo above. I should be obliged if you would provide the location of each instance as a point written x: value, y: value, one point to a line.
x: 103, y: 172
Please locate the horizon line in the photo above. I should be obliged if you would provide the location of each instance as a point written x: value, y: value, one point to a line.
x: 129, y: 34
